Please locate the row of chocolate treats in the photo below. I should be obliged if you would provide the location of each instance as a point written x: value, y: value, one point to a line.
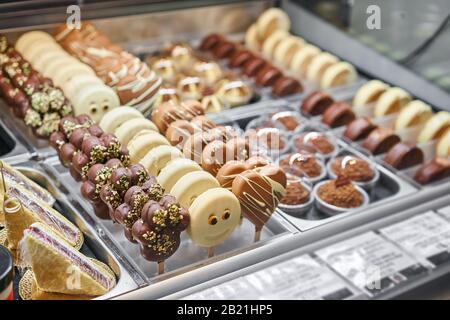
x: 33, y: 97
x: 319, y: 172
x: 189, y: 75
x: 251, y: 64
x: 43, y: 242
x: 88, y: 94
x: 385, y: 120
x: 192, y: 142
x: 134, y: 82
x: 125, y: 193
x: 270, y: 37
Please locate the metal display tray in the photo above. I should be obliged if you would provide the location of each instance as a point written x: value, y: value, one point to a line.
x: 408, y: 135
x: 189, y: 256
x: 389, y: 187
x: 310, y: 247
x: 97, y: 243
x: 11, y: 145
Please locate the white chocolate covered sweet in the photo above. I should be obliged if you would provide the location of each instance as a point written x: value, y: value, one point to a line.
x: 174, y: 170
x: 391, y: 101
x: 214, y: 216
x: 192, y: 185
x: 157, y: 158
x: 127, y: 130
x: 413, y: 114
x: 113, y: 119
x: 143, y: 142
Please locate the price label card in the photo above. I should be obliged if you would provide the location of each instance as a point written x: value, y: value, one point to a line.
x: 426, y: 236
x: 371, y: 263
x: 299, y: 278
x: 445, y: 212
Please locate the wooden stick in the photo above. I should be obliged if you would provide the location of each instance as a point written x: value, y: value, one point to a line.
x: 3, y: 178
x: 210, y: 252
x: 257, y: 234
x: 160, y: 267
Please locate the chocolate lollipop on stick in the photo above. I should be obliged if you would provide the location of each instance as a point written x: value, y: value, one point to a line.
x: 259, y: 191
x: 161, y: 267
x: 211, y: 252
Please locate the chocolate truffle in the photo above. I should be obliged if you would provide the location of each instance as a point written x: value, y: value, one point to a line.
x: 224, y: 49
x: 295, y: 194
x: 338, y: 114
x: 352, y: 167
x: 316, y: 103
x: 299, y: 165
x: 341, y: 193
x: 286, y: 120
x: 404, y: 155
x: 380, y: 140
x: 319, y: 141
x: 359, y: 129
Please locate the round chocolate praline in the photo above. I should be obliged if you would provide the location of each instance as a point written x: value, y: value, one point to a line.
x: 267, y: 76
x: 240, y: 57
x: 77, y: 137
x: 210, y: 41
x: 285, y: 86
x: 121, y: 179
x: 224, y: 49
x: 316, y: 103
x: 66, y: 153
x: 56, y: 140
x: 253, y: 66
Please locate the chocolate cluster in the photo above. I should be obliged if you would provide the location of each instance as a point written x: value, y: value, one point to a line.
x: 251, y: 65
x: 33, y: 97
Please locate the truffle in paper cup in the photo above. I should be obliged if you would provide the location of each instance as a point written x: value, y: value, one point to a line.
x: 288, y: 121
x: 366, y: 185
x: 263, y: 140
x: 298, y: 210
x: 305, y: 140
x: 332, y: 210
x: 296, y: 157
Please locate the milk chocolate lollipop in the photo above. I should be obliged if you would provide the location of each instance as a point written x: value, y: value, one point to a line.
x: 259, y: 191
x: 158, y: 229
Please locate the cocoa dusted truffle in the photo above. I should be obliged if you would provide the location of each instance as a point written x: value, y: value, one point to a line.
x: 316, y: 103
x: 295, y: 194
x: 404, y: 155
x: 359, y: 129
x: 338, y: 114
x: 352, y: 167
x: 316, y: 140
x: 301, y: 164
x: 341, y: 193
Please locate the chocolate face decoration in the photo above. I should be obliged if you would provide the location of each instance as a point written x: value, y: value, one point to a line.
x: 214, y: 216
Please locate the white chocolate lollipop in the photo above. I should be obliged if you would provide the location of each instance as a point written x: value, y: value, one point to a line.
x: 252, y: 40
x: 78, y: 82
x: 127, y: 130
x: 143, y: 142
x: 303, y: 57
x: 25, y: 40
x: 156, y: 159
x: 286, y: 49
x: 391, y: 101
x: 192, y: 185
x: 414, y: 114
x: 435, y: 127
x: 339, y: 74
x: 174, y: 170
x: 319, y: 64
x: 271, y: 43
x: 113, y: 119
x: 271, y: 20
x: 63, y: 75
x: 95, y: 101
x: 214, y: 216
x: 443, y: 146
x: 369, y: 93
